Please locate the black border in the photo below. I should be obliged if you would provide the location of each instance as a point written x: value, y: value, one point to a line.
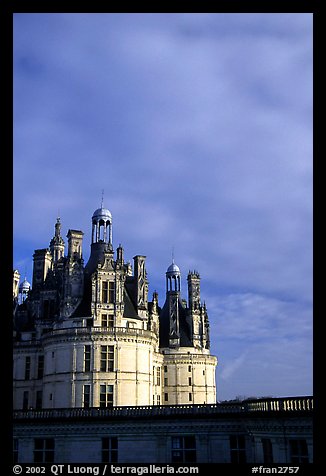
x: 7, y: 10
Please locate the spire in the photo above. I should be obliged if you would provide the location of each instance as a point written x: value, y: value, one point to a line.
x: 57, y: 244
x: 58, y: 228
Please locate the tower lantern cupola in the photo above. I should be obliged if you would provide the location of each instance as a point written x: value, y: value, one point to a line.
x: 173, y: 278
x: 24, y: 289
x: 102, y: 226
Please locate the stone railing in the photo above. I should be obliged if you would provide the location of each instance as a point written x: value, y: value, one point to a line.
x: 89, y: 331
x: 271, y: 405
x: 86, y: 331
x: 27, y: 343
x: 280, y: 404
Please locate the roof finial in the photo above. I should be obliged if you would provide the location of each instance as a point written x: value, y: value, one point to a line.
x: 102, y: 198
x: 172, y: 254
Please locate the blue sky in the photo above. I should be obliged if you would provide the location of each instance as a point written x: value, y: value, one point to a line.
x: 199, y: 129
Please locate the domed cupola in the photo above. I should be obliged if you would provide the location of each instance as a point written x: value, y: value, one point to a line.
x: 102, y: 226
x: 173, y: 278
x: 24, y: 288
x: 101, y: 238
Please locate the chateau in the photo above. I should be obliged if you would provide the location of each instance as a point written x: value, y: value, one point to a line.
x: 102, y: 374
x: 87, y: 336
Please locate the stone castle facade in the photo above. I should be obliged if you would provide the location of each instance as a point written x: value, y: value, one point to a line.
x: 88, y: 336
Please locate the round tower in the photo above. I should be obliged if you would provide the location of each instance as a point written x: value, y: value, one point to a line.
x: 189, y: 369
x: 107, y: 353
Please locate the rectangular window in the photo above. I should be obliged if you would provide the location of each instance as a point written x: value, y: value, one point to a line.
x: 105, y: 291
x: 190, y: 397
x: 166, y: 397
x: 107, y: 320
x: 15, y: 450
x: 158, y: 376
x: 87, y: 358
x: 46, y: 309
x: 158, y: 399
x: 165, y: 368
x: 238, y: 449
x: 40, y: 366
x: 107, y: 358
x: 106, y: 396
x: 299, y: 451
x: 267, y: 450
x: 25, y: 400
x: 43, y: 450
x: 111, y: 292
x: 110, y: 450
x: 104, y: 320
x: 183, y: 449
x: 153, y: 399
x: 86, y: 396
x: 165, y: 381
x: 108, y: 292
x: 189, y: 368
x: 27, y: 368
x: 189, y: 381
x: 39, y: 399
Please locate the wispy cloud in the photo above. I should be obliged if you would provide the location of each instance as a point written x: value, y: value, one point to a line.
x: 259, y: 340
x: 255, y: 317
x: 232, y: 366
x: 272, y: 368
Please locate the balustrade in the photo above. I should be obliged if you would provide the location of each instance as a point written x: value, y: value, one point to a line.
x: 291, y: 405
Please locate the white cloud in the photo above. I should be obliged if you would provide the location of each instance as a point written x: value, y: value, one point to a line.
x: 278, y: 367
x: 264, y: 345
x: 257, y: 317
x: 232, y: 366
